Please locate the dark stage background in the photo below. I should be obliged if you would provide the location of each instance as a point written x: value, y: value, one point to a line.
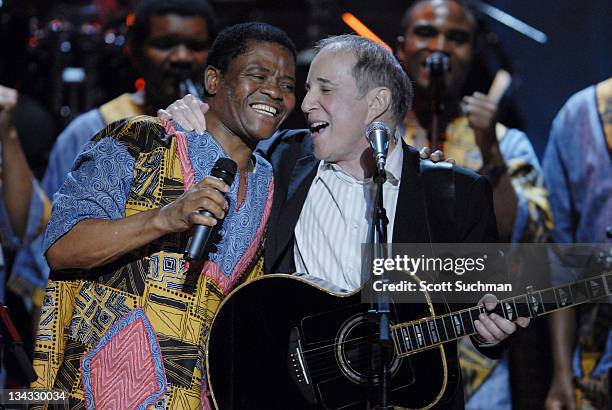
x: 578, y: 52
x: 40, y: 38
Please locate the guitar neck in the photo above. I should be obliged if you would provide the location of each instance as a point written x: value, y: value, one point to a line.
x: 412, y: 337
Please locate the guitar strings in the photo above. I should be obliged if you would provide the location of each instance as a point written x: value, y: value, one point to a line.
x: 312, y: 358
x: 468, y: 332
x: 327, y: 356
x: 322, y: 350
x: 330, y: 368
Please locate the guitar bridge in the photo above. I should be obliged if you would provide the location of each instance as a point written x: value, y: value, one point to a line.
x: 298, y: 370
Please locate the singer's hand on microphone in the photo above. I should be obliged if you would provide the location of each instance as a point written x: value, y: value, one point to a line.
x: 482, y: 116
x: 184, y: 212
x: 188, y: 112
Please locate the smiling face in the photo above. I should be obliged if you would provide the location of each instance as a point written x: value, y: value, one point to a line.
x: 256, y: 93
x: 335, y: 111
x: 437, y: 25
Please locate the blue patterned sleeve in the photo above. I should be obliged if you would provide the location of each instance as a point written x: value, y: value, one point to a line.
x: 67, y: 147
x: 97, y: 187
x: 533, y: 217
x: 563, y: 132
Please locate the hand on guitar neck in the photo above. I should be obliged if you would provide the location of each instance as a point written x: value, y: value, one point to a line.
x: 269, y: 349
x: 492, y: 328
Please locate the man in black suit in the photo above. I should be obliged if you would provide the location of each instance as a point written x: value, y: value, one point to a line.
x: 322, y: 175
x: 323, y: 180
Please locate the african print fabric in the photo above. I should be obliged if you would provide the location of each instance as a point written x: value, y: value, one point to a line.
x: 487, y: 381
x: 131, y: 334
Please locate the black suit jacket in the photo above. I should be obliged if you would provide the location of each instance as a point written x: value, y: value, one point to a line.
x: 291, y: 155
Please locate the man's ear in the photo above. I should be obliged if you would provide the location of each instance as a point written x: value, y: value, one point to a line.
x: 379, y: 102
x: 212, y: 79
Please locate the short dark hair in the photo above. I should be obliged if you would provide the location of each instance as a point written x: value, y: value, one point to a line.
x: 233, y: 41
x: 140, y: 30
x: 375, y: 67
x: 406, y: 18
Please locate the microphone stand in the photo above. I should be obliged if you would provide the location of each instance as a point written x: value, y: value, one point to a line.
x: 187, y: 86
x: 12, y: 345
x: 382, y: 309
x: 437, y: 112
x: 438, y: 65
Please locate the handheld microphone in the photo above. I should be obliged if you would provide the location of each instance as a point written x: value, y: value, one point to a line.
x: 437, y: 64
x: 377, y: 135
x: 224, y: 169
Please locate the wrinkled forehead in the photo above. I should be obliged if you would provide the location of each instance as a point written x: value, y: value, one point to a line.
x: 332, y: 63
x: 441, y: 12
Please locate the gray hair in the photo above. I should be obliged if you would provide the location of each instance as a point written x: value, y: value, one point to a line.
x: 375, y: 67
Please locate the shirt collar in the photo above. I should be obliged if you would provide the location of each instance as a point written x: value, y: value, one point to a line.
x: 393, y: 168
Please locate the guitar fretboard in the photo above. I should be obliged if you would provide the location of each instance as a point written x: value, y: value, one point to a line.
x: 412, y: 337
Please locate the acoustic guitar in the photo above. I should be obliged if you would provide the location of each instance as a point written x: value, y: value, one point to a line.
x: 281, y: 342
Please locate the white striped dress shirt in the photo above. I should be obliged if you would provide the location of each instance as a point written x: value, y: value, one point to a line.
x: 336, y: 219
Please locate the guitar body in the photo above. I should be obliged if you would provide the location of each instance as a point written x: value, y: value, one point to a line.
x: 280, y: 342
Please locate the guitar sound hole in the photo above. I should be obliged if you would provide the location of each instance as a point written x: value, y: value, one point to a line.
x: 358, y: 353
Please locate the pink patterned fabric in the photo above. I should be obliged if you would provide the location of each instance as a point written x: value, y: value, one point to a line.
x: 122, y: 373
x: 205, y: 398
x: 186, y: 168
x: 183, y: 154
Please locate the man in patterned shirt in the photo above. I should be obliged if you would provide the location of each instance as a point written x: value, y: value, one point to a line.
x: 125, y: 319
x: 476, y: 141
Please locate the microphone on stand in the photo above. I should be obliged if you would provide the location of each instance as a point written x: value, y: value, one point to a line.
x: 377, y: 134
x: 225, y: 169
x: 437, y: 64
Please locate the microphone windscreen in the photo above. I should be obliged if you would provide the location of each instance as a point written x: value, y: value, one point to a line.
x: 370, y: 134
x: 438, y: 63
x: 225, y: 169
x: 376, y: 125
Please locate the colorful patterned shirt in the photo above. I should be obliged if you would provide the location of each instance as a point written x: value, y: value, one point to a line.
x: 533, y: 218
x: 485, y: 378
x: 131, y: 334
x: 578, y: 168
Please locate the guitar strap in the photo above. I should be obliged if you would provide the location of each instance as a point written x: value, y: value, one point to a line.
x: 438, y: 181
